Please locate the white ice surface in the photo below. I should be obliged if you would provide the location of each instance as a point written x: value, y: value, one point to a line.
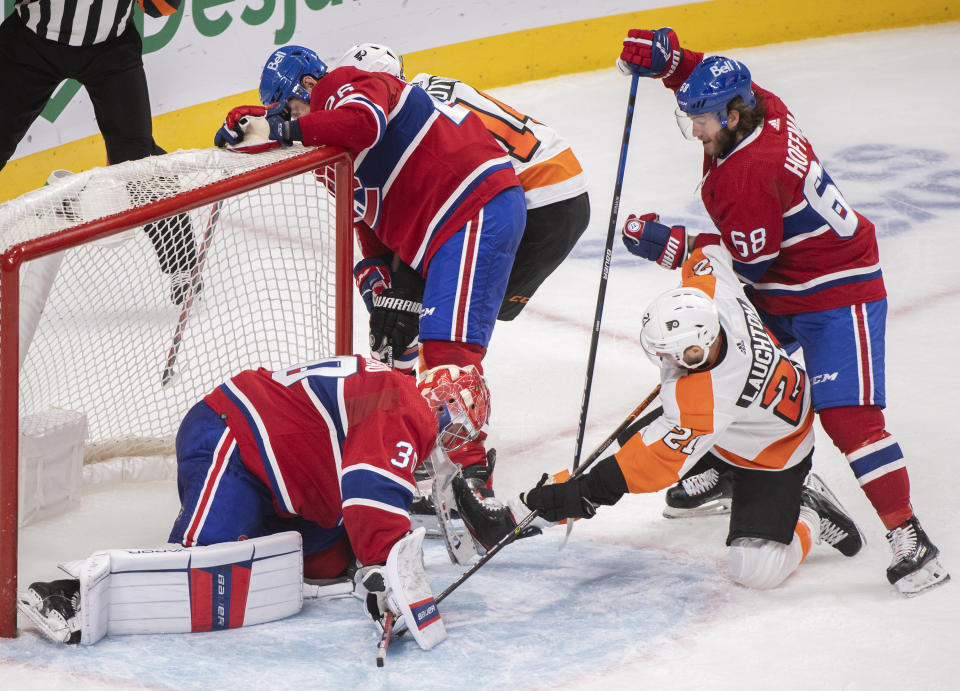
x: 635, y: 600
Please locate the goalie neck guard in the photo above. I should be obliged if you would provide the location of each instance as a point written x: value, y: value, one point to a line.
x: 461, y: 401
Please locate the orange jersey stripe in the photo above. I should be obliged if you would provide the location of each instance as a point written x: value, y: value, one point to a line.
x: 802, y: 531
x: 694, y: 395
x: 556, y: 169
x: 654, y: 467
x: 649, y: 468
x: 690, y: 278
x: 775, y: 456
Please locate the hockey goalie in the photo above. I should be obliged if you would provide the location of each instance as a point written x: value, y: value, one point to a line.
x: 305, y: 472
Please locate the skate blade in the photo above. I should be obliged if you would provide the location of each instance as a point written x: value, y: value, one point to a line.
x: 717, y: 507
x: 923, y: 579
x: 55, y: 628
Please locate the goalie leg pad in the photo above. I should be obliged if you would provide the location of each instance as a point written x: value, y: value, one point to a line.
x: 179, y: 590
x: 409, y: 591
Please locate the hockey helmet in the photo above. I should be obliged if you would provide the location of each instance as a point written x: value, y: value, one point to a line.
x: 675, y: 321
x: 711, y: 86
x: 461, y: 401
x: 373, y: 57
x: 285, y: 68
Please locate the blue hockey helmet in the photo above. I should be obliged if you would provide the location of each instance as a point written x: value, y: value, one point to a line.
x: 712, y: 85
x: 285, y: 68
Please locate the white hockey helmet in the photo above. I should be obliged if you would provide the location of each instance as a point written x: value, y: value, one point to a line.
x: 373, y: 57
x: 675, y: 321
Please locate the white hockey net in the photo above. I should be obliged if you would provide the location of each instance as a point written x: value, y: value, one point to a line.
x: 139, y: 325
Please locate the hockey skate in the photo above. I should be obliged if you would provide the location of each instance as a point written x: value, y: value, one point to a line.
x: 837, y: 528
x: 915, y: 566
x: 53, y: 607
x: 704, y: 494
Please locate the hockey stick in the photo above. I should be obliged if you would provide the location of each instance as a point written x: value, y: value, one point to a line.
x: 522, y: 525
x: 601, y: 293
x: 169, y: 374
x: 384, y: 639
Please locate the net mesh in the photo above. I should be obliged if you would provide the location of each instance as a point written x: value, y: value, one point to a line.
x: 137, y: 327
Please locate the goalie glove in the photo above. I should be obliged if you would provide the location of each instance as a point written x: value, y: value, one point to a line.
x: 370, y: 585
x: 650, y: 53
x: 557, y: 501
x: 400, y: 586
x: 646, y: 237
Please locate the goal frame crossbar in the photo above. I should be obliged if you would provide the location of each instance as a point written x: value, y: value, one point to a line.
x: 10, y: 264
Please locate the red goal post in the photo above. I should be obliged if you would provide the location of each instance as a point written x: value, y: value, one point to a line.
x: 129, y: 292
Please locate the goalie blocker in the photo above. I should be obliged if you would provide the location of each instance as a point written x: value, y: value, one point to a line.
x: 400, y: 587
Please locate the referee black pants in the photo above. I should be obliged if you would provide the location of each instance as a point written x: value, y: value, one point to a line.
x: 31, y: 68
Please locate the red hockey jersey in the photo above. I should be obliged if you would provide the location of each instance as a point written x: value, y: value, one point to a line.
x: 795, y: 240
x: 335, y: 440
x: 422, y: 169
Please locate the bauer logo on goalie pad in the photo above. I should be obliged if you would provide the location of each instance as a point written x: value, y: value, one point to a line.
x: 218, y: 596
x: 425, y: 612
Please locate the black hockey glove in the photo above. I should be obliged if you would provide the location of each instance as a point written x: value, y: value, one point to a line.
x: 557, y: 501
x: 394, y: 323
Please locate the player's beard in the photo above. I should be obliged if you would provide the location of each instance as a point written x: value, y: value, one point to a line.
x: 723, y: 142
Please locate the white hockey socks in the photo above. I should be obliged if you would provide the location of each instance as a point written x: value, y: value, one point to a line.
x: 180, y: 590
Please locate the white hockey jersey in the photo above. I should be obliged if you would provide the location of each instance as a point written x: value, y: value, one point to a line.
x: 751, y: 408
x: 548, y: 170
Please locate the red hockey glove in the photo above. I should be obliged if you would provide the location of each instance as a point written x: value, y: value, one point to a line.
x: 372, y: 276
x: 650, y: 53
x: 230, y: 133
x: 647, y: 238
x: 238, y: 122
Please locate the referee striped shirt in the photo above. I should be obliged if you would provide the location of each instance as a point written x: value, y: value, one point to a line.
x: 76, y: 22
